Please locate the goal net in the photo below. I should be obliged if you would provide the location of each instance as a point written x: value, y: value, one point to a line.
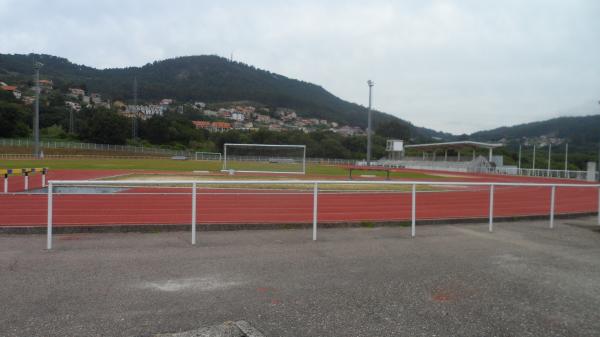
x: 266, y: 158
x: 208, y: 156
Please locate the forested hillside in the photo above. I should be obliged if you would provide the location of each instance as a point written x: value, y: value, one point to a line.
x: 580, y: 131
x: 202, y: 78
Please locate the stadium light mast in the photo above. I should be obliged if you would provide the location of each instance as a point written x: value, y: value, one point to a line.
x: 533, y: 165
x: 549, y: 158
x: 519, y: 166
x: 36, y: 116
x: 369, y: 126
x: 566, y: 158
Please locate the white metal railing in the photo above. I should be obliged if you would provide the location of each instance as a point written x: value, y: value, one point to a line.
x: 565, y: 174
x: 48, y: 144
x: 315, y: 183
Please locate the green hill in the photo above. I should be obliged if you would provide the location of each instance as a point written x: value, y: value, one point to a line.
x: 581, y: 131
x: 203, y: 78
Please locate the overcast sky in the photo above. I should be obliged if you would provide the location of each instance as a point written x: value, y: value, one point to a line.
x: 456, y: 66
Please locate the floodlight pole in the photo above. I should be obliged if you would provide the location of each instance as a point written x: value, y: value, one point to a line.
x: 369, y: 126
x: 566, y: 158
x: 549, y: 158
x: 519, y: 166
x: 533, y: 164
x: 36, y: 116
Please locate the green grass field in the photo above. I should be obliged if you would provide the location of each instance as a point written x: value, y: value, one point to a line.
x: 189, y: 166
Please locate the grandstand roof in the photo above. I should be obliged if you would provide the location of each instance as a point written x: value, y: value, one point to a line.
x: 454, y: 145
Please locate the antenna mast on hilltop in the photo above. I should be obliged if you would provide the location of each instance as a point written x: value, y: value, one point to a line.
x: 134, y: 118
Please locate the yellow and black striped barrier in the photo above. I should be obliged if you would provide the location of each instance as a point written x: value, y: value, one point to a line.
x: 23, y: 172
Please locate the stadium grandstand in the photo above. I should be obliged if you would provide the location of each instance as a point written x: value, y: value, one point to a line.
x: 460, y: 156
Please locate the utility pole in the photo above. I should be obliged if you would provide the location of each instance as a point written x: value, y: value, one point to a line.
x: 36, y: 116
x: 533, y: 165
x: 369, y: 126
x: 519, y: 166
x: 549, y: 157
x: 566, y: 158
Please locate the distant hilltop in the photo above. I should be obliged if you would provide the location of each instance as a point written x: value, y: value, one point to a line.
x: 206, y: 78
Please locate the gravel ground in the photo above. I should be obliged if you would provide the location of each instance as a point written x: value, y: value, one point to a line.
x: 451, y: 280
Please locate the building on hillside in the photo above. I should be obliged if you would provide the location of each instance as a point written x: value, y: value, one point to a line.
x: 165, y: 103
x: 119, y: 105
x: 212, y: 126
x: 349, y: 131
x: 46, y: 85
x: 262, y: 118
x: 237, y: 116
x: 76, y: 93
x: 200, y: 105
x: 142, y: 111
x: 201, y: 124
x: 11, y: 88
x: 96, y: 98
x: 103, y: 104
x: 28, y: 100
x: 73, y: 105
x: 210, y: 113
x: 220, y: 126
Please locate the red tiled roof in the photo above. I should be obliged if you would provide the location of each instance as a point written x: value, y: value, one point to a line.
x: 221, y: 125
x: 9, y: 87
x: 201, y: 124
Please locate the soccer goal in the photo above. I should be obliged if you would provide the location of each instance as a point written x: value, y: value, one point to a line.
x: 208, y: 156
x: 266, y: 158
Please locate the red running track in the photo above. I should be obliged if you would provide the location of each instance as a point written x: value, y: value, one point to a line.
x: 242, y: 206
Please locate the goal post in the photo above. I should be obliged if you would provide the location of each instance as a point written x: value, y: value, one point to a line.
x: 264, y: 158
x: 207, y: 156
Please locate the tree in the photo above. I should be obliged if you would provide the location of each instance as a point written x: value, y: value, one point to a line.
x: 13, y: 120
x: 104, y: 126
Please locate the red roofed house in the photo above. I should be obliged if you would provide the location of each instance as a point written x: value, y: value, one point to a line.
x: 46, y: 84
x: 220, y: 126
x: 12, y: 89
x: 213, y: 127
x: 201, y: 124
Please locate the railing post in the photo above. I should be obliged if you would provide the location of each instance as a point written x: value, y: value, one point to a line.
x: 43, y: 178
x: 26, y: 181
x: 193, y: 213
x: 413, y: 211
x: 6, y: 185
x: 315, y: 208
x: 49, y: 229
x: 491, y: 226
x: 552, y: 196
